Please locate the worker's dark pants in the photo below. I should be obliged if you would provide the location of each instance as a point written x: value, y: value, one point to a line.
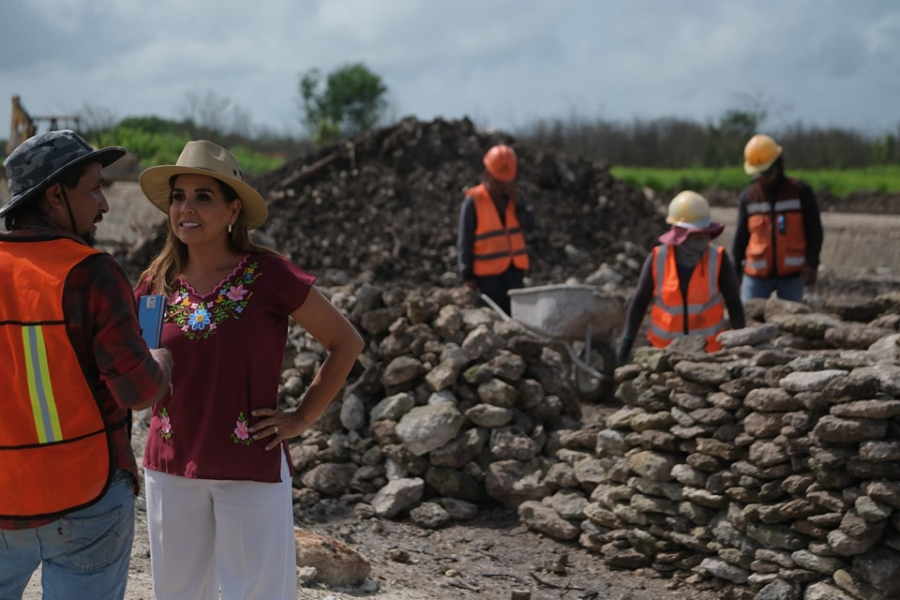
x: 496, y: 286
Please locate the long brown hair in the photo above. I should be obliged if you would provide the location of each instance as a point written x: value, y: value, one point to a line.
x: 173, y: 258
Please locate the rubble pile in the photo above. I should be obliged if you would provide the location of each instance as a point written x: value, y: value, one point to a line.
x: 385, y: 207
x: 452, y: 401
x: 770, y: 466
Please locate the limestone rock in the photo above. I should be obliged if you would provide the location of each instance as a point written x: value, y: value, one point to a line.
x: 336, y: 564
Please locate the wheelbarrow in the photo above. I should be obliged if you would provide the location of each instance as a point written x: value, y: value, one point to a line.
x: 567, y: 313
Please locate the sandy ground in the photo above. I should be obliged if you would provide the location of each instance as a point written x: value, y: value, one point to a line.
x: 851, y: 240
x: 130, y: 214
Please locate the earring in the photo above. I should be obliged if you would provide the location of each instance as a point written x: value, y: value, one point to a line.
x: 229, y: 228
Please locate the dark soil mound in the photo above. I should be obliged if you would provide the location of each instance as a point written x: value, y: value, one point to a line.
x: 385, y: 207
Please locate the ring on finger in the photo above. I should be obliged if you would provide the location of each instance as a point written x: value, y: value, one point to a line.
x: 276, y: 429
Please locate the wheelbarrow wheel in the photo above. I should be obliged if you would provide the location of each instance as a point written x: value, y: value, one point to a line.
x: 591, y: 387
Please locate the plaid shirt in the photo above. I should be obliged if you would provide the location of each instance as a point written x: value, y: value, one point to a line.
x: 102, y: 323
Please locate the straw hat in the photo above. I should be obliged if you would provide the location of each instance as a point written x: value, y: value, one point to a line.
x: 201, y: 157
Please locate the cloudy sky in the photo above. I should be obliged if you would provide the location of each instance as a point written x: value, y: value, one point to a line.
x: 503, y: 63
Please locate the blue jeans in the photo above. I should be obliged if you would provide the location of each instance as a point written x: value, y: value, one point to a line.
x: 85, y: 554
x: 787, y: 288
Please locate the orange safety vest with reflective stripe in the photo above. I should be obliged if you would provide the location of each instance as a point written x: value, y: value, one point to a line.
x: 497, y: 246
x: 702, y: 312
x: 55, y: 454
x: 777, y: 243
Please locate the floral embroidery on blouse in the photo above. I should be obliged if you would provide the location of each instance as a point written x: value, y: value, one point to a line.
x: 198, y: 320
x: 241, y: 433
x: 165, y: 425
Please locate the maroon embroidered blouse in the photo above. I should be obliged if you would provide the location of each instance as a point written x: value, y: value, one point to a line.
x: 228, y: 347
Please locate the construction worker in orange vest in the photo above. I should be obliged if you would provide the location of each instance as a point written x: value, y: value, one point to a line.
x: 779, y: 229
x: 492, y: 254
x: 689, y: 281
x: 74, y: 367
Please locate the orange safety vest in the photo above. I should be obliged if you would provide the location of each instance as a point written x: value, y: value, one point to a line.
x: 55, y: 452
x: 777, y: 244
x: 497, y: 246
x: 701, y: 313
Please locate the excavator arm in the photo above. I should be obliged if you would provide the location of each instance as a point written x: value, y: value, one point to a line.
x: 21, y: 126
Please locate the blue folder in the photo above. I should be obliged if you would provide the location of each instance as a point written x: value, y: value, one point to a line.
x: 151, y: 311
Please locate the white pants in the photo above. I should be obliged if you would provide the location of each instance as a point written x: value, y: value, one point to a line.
x: 206, y: 533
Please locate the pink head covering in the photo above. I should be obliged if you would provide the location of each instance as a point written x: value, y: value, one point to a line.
x: 677, y: 234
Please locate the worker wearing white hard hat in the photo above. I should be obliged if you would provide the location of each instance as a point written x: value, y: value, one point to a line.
x: 689, y: 281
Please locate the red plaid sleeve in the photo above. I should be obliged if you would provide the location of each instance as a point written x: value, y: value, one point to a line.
x: 113, y: 341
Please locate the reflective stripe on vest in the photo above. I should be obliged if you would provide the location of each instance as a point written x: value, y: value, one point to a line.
x: 43, y: 403
x: 777, y: 237
x: 702, y: 312
x: 496, y: 246
x: 55, y: 451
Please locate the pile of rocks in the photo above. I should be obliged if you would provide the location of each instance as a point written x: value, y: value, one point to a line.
x: 450, y: 398
x: 769, y: 466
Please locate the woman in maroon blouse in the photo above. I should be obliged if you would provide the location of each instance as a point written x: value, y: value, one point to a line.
x: 217, y: 466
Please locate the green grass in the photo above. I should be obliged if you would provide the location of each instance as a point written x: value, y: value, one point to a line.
x: 840, y: 182
x: 164, y: 149
x: 256, y: 162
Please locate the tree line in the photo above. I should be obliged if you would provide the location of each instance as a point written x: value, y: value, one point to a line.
x: 671, y: 143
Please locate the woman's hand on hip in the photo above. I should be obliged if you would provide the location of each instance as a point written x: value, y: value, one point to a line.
x: 278, y: 425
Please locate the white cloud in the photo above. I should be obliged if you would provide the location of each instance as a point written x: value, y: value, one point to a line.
x: 504, y: 62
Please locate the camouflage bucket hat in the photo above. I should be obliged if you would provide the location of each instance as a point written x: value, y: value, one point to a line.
x: 39, y: 160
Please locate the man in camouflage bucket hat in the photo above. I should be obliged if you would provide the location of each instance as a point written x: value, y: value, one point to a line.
x: 48, y: 162
x: 74, y: 366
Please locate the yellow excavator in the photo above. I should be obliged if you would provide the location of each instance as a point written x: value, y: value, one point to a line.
x: 23, y: 126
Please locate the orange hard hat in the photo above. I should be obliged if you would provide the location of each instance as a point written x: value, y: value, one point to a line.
x: 500, y: 161
x: 760, y: 153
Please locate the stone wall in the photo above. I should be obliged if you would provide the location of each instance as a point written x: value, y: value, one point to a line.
x: 768, y: 465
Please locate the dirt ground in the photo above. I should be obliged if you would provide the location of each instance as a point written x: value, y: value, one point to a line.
x: 488, y: 558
